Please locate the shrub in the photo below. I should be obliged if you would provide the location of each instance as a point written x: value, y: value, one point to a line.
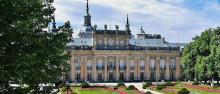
x: 120, y: 84
x: 169, y: 83
x: 84, y: 85
x: 160, y: 87
x: 183, y: 91
x: 115, y: 87
x: 131, y: 87
x: 148, y: 92
x: 195, y: 83
x: 147, y: 84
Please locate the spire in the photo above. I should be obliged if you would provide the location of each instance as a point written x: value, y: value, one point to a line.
x: 87, y: 7
x: 127, y: 24
x: 87, y: 17
x: 142, y: 31
x: 54, y: 28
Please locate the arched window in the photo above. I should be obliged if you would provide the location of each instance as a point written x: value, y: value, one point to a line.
x: 77, y: 63
x: 122, y: 64
x: 142, y: 64
x: 162, y: 63
x: 172, y: 63
x: 132, y: 65
x: 152, y: 64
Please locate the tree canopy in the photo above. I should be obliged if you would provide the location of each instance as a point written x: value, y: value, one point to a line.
x: 29, y: 54
x: 201, y: 58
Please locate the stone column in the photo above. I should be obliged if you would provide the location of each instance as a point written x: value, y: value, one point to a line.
x: 106, y: 73
x: 177, y: 68
x: 135, y: 69
x: 138, y: 68
x: 127, y: 68
x: 147, y: 70
x: 82, y: 68
x: 86, y: 71
x: 72, y: 63
x: 167, y: 62
x: 157, y: 68
x: 94, y: 63
x: 117, y: 68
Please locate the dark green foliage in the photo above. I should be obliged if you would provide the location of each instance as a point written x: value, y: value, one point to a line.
x: 160, y: 87
x: 131, y: 87
x: 201, y: 58
x: 84, y: 85
x: 148, y: 92
x: 29, y: 54
x: 147, y: 84
x: 183, y: 91
x: 169, y: 83
x: 120, y: 84
x: 115, y: 87
x: 195, y: 83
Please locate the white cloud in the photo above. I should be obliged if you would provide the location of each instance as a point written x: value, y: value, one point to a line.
x: 167, y: 17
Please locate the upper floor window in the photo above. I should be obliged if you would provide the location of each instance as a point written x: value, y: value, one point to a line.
x: 152, y: 63
x: 172, y: 63
x: 162, y: 63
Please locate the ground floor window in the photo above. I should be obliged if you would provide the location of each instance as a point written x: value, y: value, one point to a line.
x: 78, y: 76
x: 131, y: 76
x: 152, y: 75
x: 110, y: 76
x: 100, y: 76
x: 89, y: 76
x: 172, y: 76
x: 142, y: 76
x: 122, y: 76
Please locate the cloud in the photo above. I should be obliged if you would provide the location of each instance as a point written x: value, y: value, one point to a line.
x: 176, y: 20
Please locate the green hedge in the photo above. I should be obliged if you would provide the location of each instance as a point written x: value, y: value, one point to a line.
x: 183, y: 91
x: 131, y: 87
x: 147, y: 84
x: 84, y: 85
x: 160, y: 87
x: 169, y: 83
x: 120, y: 84
x: 195, y: 83
x: 148, y: 92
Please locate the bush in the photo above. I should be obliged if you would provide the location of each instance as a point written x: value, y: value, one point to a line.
x: 160, y: 87
x: 130, y: 87
x: 147, y: 84
x: 195, y: 83
x: 148, y: 92
x: 84, y: 85
x: 120, y: 84
x: 169, y: 84
x: 115, y: 87
x: 183, y: 91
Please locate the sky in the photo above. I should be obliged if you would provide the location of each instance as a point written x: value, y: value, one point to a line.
x: 176, y: 20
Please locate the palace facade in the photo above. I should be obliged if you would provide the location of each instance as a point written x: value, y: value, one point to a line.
x: 115, y: 55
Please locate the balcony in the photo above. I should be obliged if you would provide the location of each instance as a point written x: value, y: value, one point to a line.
x: 78, y: 68
x: 111, y: 67
x: 122, y: 67
x: 132, y: 68
x: 100, y: 67
x: 89, y: 68
x: 142, y: 68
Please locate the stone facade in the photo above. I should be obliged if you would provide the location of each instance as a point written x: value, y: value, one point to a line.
x: 115, y: 55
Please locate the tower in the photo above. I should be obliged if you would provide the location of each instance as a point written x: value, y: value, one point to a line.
x: 127, y: 25
x: 87, y: 17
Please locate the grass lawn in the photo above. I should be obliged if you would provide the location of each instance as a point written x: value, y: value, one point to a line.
x: 78, y: 90
x: 176, y: 88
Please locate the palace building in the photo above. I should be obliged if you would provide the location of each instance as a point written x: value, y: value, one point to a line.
x: 104, y: 55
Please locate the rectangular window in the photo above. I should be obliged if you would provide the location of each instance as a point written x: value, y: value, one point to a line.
x: 78, y: 77
x: 110, y: 76
x: 131, y: 76
x: 141, y: 76
x: 99, y: 76
x: 89, y: 76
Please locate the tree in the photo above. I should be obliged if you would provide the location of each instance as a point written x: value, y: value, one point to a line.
x: 201, y: 58
x: 29, y: 55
